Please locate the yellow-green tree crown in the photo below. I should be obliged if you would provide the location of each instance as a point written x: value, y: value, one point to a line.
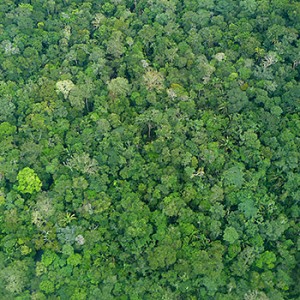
x: 29, y: 182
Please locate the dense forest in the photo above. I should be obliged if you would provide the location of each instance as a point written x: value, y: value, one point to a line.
x: 149, y: 149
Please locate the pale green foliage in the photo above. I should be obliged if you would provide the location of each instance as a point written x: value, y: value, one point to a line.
x: 65, y: 87
x: 255, y: 295
x: 80, y: 240
x: 14, y: 277
x: 118, y: 87
x: 67, y: 249
x: 204, y: 68
x: 6, y: 101
x: 82, y: 163
x: 10, y: 48
x: 177, y: 91
x: 42, y: 210
x: 234, y: 176
x: 98, y: 19
x: 220, y: 56
x: 230, y: 235
x: 29, y: 182
x: 248, y: 207
x: 115, y: 46
x: 276, y: 110
x: 76, y: 98
x: 153, y: 80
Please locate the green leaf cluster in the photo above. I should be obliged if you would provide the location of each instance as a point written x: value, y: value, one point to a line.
x: 29, y: 181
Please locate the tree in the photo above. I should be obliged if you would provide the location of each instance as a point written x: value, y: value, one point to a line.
x: 65, y: 87
x: 29, y: 181
x: 118, y: 87
x: 266, y: 259
x: 7, y: 92
x: 234, y: 176
x: 153, y: 80
x: 114, y: 45
x: 230, y: 235
x: 15, y: 277
x: 82, y: 163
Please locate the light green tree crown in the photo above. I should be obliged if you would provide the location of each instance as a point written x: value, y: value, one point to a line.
x: 28, y: 181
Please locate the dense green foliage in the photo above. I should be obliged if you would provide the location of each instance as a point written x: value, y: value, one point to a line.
x: 149, y: 149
